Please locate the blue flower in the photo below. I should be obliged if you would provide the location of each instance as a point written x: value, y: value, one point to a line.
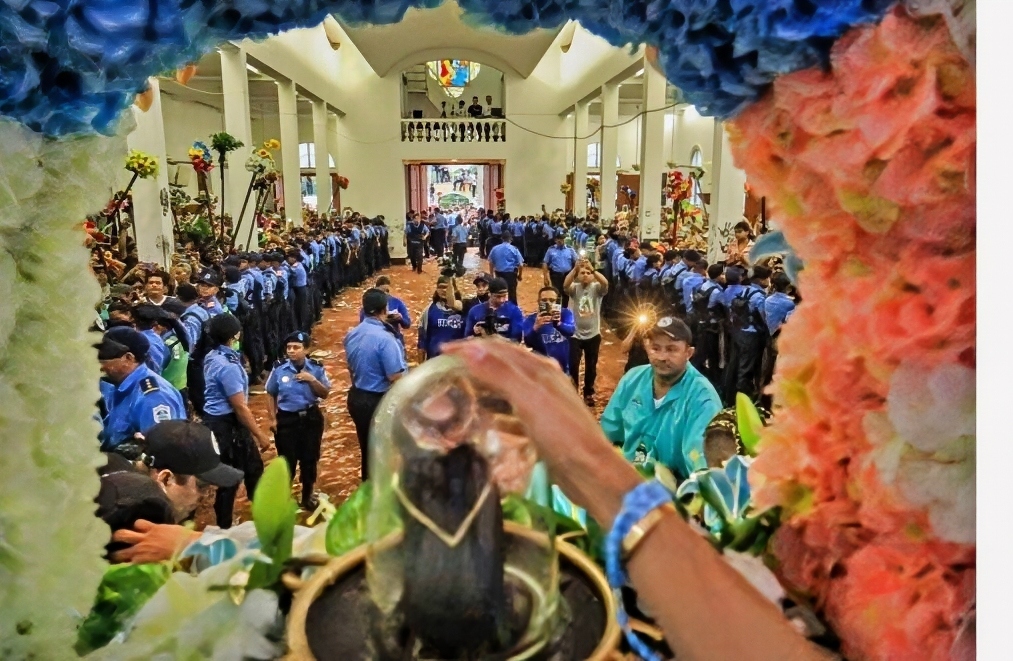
x: 70, y: 66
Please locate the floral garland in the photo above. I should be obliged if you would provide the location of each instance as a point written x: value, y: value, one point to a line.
x: 200, y: 157
x: 873, y: 457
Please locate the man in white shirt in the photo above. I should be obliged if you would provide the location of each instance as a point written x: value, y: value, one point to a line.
x: 586, y: 288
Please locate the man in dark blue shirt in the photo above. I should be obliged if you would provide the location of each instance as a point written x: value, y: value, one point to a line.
x: 507, y: 263
x: 416, y: 232
x: 497, y: 315
x: 298, y: 281
x: 375, y: 361
x: 549, y: 330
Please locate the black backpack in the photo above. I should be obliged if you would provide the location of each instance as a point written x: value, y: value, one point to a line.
x: 701, y: 300
x: 740, y: 314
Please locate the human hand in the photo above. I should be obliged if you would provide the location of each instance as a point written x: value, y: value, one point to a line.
x: 152, y: 542
x: 542, y: 319
x: 580, y: 459
x: 305, y: 377
x: 262, y: 439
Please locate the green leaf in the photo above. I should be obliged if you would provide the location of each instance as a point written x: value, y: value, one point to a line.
x: 274, y: 514
x: 347, y: 528
x: 749, y: 422
x: 121, y: 594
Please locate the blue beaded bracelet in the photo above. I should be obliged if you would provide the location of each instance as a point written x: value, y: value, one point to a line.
x: 637, y: 504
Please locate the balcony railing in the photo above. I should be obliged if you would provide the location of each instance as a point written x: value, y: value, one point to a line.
x: 453, y: 130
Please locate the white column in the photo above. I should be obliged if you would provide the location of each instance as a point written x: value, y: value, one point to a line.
x: 332, y: 145
x: 652, y: 152
x: 609, y: 148
x: 323, y: 174
x: 728, y: 194
x: 236, y: 90
x: 152, y: 216
x: 580, y: 129
x: 288, y: 116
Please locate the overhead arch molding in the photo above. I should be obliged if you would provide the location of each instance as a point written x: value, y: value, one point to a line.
x: 431, y: 54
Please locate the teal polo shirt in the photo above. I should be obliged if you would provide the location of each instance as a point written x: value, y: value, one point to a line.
x: 671, y: 433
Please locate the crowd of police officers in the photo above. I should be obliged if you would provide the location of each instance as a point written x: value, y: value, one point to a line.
x: 173, y: 350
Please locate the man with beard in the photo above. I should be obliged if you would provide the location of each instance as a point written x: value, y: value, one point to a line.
x: 659, y: 411
x: 498, y: 316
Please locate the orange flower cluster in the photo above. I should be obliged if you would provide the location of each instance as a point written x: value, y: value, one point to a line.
x: 869, y: 169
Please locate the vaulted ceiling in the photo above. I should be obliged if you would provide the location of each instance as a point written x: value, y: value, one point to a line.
x: 440, y: 33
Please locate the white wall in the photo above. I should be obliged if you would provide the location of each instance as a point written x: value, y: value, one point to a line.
x: 185, y: 122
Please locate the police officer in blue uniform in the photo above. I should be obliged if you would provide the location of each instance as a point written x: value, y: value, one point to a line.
x: 135, y: 398
x: 558, y: 261
x: 299, y: 285
x: 375, y: 361
x: 507, y: 263
x: 227, y: 413
x: 296, y: 387
x: 415, y: 233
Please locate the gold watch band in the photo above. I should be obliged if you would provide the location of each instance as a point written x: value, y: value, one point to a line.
x: 641, y: 529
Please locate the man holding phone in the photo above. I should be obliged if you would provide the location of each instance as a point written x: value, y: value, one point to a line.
x: 549, y: 330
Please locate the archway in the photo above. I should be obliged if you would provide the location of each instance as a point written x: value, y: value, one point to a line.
x: 865, y: 157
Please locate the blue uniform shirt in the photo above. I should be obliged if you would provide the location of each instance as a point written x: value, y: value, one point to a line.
x: 517, y: 227
x: 552, y: 340
x: 505, y: 258
x: 394, y: 304
x: 224, y: 376
x: 690, y: 284
x: 509, y: 320
x: 140, y: 402
x: 459, y: 233
x: 270, y: 282
x: 635, y: 268
x: 354, y: 237
x: 440, y: 222
x: 158, y: 353
x: 373, y: 355
x: 194, y: 317
x: 416, y: 232
x: 649, y: 278
x: 730, y: 292
x: 298, y: 275
x: 560, y: 260
x: 777, y: 308
x: 437, y: 326
x: 283, y: 273
x: 496, y: 228
x: 680, y: 279
x: 292, y: 395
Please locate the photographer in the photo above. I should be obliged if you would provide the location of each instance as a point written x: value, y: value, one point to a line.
x: 549, y: 330
x: 498, y: 316
x: 441, y: 321
x: 481, y: 283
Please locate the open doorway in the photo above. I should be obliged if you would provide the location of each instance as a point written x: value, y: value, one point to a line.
x: 451, y: 184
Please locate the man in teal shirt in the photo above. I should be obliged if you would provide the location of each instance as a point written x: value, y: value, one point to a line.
x: 660, y: 411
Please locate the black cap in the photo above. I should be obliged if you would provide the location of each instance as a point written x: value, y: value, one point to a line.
x: 232, y: 274
x: 149, y: 313
x: 209, y: 277
x: 298, y: 336
x: 188, y: 448
x: 498, y: 286
x: 374, y: 301
x: 673, y: 327
x: 121, y: 340
x: 481, y: 277
x: 124, y: 497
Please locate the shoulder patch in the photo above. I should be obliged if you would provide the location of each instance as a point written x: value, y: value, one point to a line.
x: 149, y: 385
x: 315, y: 362
x: 234, y: 358
x: 161, y: 413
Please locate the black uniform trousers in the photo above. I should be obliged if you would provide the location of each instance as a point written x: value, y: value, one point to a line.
x: 707, y: 351
x: 298, y: 439
x: 742, y: 372
x: 415, y: 254
x: 460, y: 249
x: 589, y: 350
x: 195, y: 385
x: 483, y: 238
x: 362, y: 404
x: 439, y: 241
x: 302, y: 312
x: 239, y: 450
x: 557, y: 279
x: 253, y: 342
x: 511, y: 280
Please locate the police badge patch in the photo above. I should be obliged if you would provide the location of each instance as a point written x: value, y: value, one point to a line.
x: 161, y: 413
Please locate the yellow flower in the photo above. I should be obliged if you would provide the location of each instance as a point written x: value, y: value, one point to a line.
x: 263, y: 153
x: 272, y: 144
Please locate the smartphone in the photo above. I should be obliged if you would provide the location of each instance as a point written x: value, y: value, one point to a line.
x: 544, y: 307
x: 557, y: 307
